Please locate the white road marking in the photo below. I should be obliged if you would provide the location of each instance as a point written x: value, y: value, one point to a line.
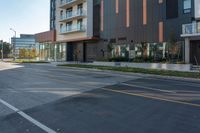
x: 27, y: 117
x: 149, y: 88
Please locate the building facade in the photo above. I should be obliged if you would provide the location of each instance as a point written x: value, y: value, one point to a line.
x: 75, y: 26
x: 150, y: 28
x: 191, y: 35
x: 155, y: 30
x: 24, y: 42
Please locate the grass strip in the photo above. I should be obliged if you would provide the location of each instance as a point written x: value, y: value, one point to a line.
x: 138, y: 70
x: 31, y: 61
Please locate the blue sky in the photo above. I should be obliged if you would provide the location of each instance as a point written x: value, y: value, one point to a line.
x: 25, y: 16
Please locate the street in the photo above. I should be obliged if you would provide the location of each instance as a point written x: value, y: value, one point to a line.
x: 41, y: 98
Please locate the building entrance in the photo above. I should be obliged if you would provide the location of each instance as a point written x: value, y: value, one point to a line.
x: 195, y: 52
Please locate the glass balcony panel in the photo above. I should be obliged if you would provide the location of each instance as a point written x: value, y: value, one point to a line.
x: 77, y: 13
x: 193, y: 28
x: 63, y: 2
x: 73, y: 28
x: 198, y: 27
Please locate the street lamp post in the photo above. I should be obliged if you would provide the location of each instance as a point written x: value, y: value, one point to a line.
x: 14, y: 45
x: 2, y: 50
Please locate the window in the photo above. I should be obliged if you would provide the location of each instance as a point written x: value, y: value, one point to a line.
x: 62, y: 28
x: 171, y: 9
x: 80, y: 24
x: 80, y: 9
x: 69, y: 26
x: 61, y: 14
x: 69, y: 13
x: 187, y: 6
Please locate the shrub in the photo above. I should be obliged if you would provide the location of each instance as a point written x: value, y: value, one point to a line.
x: 118, y: 59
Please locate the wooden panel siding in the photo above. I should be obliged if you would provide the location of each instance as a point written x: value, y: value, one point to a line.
x: 127, y: 13
x: 117, y: 6
x: 161, y: 32
x: 102, y: 15
x: 144, y: 12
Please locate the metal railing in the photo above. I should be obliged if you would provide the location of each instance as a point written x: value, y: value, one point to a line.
x: 193, y: 28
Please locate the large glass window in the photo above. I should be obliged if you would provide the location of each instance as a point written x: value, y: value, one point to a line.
x: 80, y: 24
x: 80, y: 9
x: 187, y: 5
x: 171, y: 9
x: 61, y: 14
x: 149, y: 52
x: 69, y: 26
x: 69, y: 13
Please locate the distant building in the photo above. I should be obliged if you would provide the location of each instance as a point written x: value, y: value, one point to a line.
x: 25, y: 41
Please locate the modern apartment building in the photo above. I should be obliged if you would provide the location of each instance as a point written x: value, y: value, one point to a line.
x: 191, y: 33
x: 97, y: 29
x: 138, y: 28
x: 74, y: 24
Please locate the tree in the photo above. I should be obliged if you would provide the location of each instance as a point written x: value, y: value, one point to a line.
x: 110, y: 48
x: 22, y: 53
x: 172, y: 46
x: 6, y: 49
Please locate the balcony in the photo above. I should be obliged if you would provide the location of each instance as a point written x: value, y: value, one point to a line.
x: 69, y: 3
x: 73, y: 15
x: 72, y: 29
x: 189, y: 30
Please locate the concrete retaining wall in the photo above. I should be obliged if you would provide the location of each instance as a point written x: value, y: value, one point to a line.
x: 174, y: 67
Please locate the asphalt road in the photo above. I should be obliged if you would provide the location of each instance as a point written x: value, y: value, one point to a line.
x: 44, y: 98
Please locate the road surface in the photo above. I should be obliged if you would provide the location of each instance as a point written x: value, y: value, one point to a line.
x: 42, y: 98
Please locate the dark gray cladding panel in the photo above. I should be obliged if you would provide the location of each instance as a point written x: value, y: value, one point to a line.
x: 90, y: 18
x: 115, y: 25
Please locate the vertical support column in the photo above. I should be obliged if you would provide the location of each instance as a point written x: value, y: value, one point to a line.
x: 49, y: 52
x: 187, y: 50
x: 39, y: 52
x: 148, y: 49
x: 164, y: 50
x: 55, y: 52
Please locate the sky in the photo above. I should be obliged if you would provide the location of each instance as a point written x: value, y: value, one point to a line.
x: 24, y: 16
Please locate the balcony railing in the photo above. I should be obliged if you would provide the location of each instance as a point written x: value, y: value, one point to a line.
x: 191, y: 29
x: 78, y: 13
x: 73, y: 28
